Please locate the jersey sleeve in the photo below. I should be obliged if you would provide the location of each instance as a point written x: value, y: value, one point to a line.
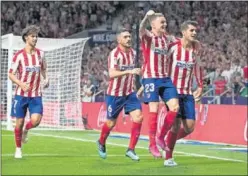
x: 15, y: 64
x: 112, y: 61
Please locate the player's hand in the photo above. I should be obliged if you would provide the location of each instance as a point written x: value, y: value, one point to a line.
x: 46, y: 83
x: 150, y: 13
x: 136, y: 71
x: 197, y: 94
x: 140, y: 92
x: 25, y: 87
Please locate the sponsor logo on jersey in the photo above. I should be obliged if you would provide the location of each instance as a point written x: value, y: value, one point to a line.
x: 32, y: 69
x: 160, y: 51
x: 185, y: 65
x: 126, y: 67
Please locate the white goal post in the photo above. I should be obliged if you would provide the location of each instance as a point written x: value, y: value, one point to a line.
x: 61, y: 100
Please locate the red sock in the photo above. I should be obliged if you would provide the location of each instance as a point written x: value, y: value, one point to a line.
x: 170, y: 142
x: 181, y: 134
x: 29, y: 125
x: 168, y: 122
x: 104, y: 133
x: 18, y: 137
x: 135, y: 133
x: 153, y: 127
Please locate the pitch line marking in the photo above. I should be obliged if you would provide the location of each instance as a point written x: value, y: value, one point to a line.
x: 140, y: 147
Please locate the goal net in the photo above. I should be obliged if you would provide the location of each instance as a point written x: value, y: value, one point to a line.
x: 62, y: 107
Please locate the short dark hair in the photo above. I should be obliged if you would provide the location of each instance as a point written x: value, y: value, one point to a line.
x: 28, y: 30
x: 120, y: 30
x: 186, y: 24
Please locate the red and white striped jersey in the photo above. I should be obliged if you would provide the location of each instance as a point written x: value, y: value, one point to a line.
x: 120, y: 60
x: 28, y: 68
x: 154, y: 50
x: 182, y: 66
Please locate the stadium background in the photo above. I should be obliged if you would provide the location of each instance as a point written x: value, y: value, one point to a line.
x: 223, y: 34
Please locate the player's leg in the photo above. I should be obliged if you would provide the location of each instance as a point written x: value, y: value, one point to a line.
x: 189, y: 120
x: 171, y: 138
x: 152, y: 98
x: 36, y: 110
x: 187, y: 114
x: 114, y: 107
x: 18, y: 110
x: 169, y: 95
x: 133, y: 107
x: 171, y: 142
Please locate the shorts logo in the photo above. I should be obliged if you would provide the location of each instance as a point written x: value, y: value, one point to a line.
x: 148, y: 95
x: 109, y: 110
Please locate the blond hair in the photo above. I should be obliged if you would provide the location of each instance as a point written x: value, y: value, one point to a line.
x: 156, y: 15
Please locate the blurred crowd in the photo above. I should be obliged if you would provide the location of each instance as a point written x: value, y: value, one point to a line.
x: 223, y: 34
x: 57, y: 19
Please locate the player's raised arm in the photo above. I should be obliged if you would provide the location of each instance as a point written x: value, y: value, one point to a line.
x: 144, y: 22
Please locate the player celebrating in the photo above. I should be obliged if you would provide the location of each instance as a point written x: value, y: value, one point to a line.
x: 120, y: 93
x: 29, y: 64
x: 183, y: 65
x: 156, y: 81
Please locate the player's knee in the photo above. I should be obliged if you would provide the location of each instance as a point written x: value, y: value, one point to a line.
x: 175, y: 127
x: 138, y: 118
x: 36, y: 123
x: 153, y: 106
x: 110, y: 123
x: 173, y: 105
x: 19, y: 123
x: 189, y: 130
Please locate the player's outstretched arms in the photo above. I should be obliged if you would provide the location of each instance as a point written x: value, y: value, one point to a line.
x: 145, y: 21
x: 24, y: 86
